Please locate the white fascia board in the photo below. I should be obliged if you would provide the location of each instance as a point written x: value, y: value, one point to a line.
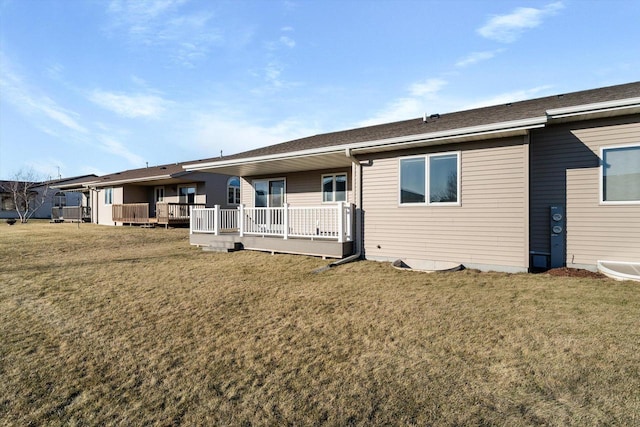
x: 598, y: 107
x: 267, y: 158
x: 129, y: 181
x: 74, y: 186
x: 442, y: 137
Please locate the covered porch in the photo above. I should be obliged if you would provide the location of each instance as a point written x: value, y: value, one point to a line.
x: 166, y: 213
x: 326, y: 231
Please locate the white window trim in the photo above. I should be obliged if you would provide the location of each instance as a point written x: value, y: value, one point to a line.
x: 105, y: 196
x: 601, y: 176
x: 238, y: 188
x: 333, y: 192
x: 155, y: 193
x: 426, y: 158
x: 253, y: 187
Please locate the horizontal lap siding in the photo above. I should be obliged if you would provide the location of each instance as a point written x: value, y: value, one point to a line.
x: 565, y: 170
x: 488, y: 228
x: 594, y: 231
x: 303, y: 188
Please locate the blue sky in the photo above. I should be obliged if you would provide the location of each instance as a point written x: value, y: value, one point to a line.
x: 103, y: 86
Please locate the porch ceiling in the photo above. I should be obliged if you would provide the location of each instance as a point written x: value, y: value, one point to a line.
x: 300, y: 163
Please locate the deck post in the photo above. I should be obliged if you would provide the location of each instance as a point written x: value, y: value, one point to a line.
x: 191, y: 219
x: 216, y: 219
x: 285, y: 221
x: 341, y: 222
x: 241, y: 220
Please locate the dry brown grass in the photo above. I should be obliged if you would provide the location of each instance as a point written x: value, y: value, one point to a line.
x: 128, y: 326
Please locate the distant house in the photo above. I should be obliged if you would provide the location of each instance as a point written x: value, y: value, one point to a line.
x: 72, y: 199
x: 50, y: 196
x: 157, y: 195
x: 547, y: 182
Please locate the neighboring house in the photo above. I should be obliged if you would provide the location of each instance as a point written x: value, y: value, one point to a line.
x: 48, y: 196
x: 157, y: 195
x: 72, y: 199
x: 544, y: 183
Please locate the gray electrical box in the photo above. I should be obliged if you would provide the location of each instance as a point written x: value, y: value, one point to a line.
x: 558, y: 236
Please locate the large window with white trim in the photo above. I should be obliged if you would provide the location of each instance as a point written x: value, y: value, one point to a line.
x: 620, y: 174
x: 334, y: 188
x: 432, y: 179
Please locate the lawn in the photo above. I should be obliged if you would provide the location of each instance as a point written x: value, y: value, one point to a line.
x: 128, y: 326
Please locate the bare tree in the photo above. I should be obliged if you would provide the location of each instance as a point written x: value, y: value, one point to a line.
x: 27, y: 192
x: 450, y: 192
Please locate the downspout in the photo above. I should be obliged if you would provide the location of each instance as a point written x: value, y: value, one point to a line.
x: 359, y: 238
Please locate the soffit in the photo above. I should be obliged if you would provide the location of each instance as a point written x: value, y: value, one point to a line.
x: 286, y: 165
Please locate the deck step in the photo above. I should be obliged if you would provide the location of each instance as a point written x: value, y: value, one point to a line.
x: 223, y: 247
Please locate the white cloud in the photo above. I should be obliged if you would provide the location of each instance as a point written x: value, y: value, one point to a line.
x: 287, y: 41
x: 115, y: 147
x: 504, y: 98
x: 507, y: 28
x: 16, y: 91
x: 476, y: 57
x: 422, y: 96
x: 131, y: 106
x: 215, y: 132
x: 400, y: 109
x: 427, y: 88
x: 187, y: 37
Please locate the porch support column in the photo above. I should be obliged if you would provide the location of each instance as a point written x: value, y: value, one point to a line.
x: 241, y: 220
x: 285, y: 221
x: 216, y: 219
x: 341, y: 224
x: 191, y: 219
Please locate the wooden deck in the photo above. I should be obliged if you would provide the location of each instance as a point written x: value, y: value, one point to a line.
x: 166, y: 213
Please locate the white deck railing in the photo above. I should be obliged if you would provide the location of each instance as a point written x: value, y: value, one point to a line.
x: 325, y: 222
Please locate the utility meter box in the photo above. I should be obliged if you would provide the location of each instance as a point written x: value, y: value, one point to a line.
x: 557, y: 227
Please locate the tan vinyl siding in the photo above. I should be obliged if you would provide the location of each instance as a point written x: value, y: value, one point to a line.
x: 565, y: 170
x: 302, y: 188
x: 489, y: 228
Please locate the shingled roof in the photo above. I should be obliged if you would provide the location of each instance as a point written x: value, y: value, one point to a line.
x: 512, y: 111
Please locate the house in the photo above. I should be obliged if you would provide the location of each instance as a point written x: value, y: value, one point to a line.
x: 158, y: 195
x: 72, y: 199
x: 541, y: 183
x: 49, y: 197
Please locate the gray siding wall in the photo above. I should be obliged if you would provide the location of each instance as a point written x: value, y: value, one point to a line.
x: 302, y: 188
x: 565, y: 170
x: 490, y: 228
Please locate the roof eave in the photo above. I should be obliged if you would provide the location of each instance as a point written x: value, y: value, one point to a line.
x: 618, y: 107
x: 500, y: 129
x: 129, y: 181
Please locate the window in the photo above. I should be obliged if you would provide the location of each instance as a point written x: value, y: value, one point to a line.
x: 443, y: 178
x: 434, y: 178
x: 269, y: 193
x: 159, y: 194
x: 620, y: 174
x: 412, y: 180
x: 334, y: 188
x: 59, y: 199
x: 233, y: 191
x: 187, y: 195
x: 108, y: 196
x: 6, y: 202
